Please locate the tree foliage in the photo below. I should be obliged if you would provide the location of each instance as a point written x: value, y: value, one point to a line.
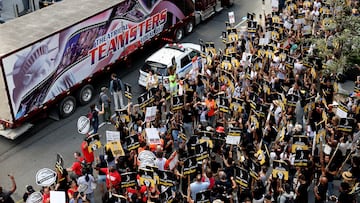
x: 345, y: 42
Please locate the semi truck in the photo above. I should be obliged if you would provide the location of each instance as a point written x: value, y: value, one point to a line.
x: 49, y: 58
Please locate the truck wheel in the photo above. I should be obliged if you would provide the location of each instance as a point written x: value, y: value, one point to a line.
x: 189, y: 28
x: 85, y: 94
x: 67, y: 106
x: 179, y: 34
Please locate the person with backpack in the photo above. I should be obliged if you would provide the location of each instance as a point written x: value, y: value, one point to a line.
x: 93, y: 116
x: 116, y: 89
x: 5, y: 196
x: 88, y: 181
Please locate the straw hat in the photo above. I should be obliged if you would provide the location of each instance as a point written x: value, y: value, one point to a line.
x: 347, y: 176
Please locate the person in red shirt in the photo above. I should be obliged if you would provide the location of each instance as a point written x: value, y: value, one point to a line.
x: 113, y: 178
x: 88, y: 154
x: 46, y: 195
x: 76, y: 166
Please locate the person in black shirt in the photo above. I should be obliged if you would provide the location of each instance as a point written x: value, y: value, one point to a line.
x: 320, y: 190
x: 188, y: 117
x: 344, y: 196
x: 301, y: 191
x: 5, y: 196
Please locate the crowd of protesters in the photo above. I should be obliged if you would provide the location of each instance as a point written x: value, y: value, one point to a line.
x: 294, y: 132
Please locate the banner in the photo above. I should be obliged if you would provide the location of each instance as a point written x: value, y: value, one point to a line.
x: 301, y: 158
x: 132, y: 142
x: 112, y: 136
x: 300, y: 142
x: 150, y: 113
x: 190, y: 165
x: 166, y: 178
x: 203, y: 196
x: 59, y: 163
x: 234, y: 136
x: 201, y: 151
x: 342, y: 110
x: 35, y: 197
x: 128, y: 179
x: 178, y: 102
x: 146, y: 177
x: 94, y: 142
x: 224, y: 105
x: 242, y: 177
x: 45, y: 177
x: 167, y: 196
x: 147, y: 98
x: 346, y: 125
x: 116, y: 148
x: 280, y: 170
x: 292, y: 99
x: 128, y: 92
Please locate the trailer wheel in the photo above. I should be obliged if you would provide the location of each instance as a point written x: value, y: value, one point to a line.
x: 67, y: 106
x: 85, y: 94
x: 179, y: 34
x: 189, y: 28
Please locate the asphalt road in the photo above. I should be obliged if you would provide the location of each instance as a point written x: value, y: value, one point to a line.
x: 37, y: 148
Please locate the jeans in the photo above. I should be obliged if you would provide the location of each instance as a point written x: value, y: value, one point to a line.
x: 91, y: 197
x: 118, y: 99
x: 175, y: 135
x: 211, y: 120
x: 188, y: 128
x: 330, y: 189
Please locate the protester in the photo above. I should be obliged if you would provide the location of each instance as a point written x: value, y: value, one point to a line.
x: 117, y: 89
x: 5, y: 196
x: 105, y: 101
x: 257, y: 122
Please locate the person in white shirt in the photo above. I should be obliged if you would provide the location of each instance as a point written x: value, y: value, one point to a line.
x: 160, y: 160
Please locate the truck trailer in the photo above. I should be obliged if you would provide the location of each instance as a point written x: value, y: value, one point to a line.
x: 50, y: 57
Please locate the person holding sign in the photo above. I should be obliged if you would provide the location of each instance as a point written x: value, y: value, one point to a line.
x: 5, y: 196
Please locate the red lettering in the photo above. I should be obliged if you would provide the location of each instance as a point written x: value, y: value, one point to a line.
x: 163, y: 16
x: 133, y: 33
x: 102, y: 51
x: 140, y: 26
x: 92, y: 53
x: 112, y: 45
x: 123, y: 38
x: 148, y: 24
x: 155, y: 20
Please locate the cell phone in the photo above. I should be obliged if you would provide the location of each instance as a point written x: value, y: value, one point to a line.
x: 81, y: 194
x: 76, y: 194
